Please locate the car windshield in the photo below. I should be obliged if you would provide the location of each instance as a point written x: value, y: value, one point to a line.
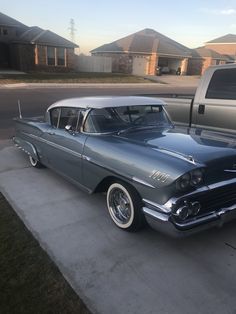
x: 126, y: 118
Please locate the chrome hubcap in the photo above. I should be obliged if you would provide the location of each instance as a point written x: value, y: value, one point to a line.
x: 120, y: 205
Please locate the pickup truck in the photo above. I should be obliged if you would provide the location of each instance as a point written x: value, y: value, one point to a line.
x: 213, y: 107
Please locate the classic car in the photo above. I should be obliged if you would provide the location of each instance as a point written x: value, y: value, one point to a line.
x: 127, y: 147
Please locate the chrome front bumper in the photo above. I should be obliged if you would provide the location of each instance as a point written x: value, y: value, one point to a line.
x: 163, y: 221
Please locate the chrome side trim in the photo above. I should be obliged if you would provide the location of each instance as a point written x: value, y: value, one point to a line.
x: 173, y: 200
x: 154, y: 214
x: 187, y: 158
x: 221, y: 184
x: 135, y: 179
x: 230, y: 170
x: 224, y: 210
x: 112, y: 170
x: 67, y: 150
x: 163, y: 208
x: 86, y: 158
x: 206, y: 188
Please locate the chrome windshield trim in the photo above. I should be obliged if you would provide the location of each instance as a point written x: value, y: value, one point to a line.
x: 143, y: 182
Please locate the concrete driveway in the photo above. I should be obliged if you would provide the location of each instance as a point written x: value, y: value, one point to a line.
x: 114, y: 271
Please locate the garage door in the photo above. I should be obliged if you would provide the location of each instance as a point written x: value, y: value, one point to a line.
x: 140, y: 66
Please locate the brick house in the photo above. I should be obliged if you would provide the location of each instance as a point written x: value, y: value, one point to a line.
x: 225, y: 45
x: 217, y: 51
x: 202, y: 58
x: 33, y: 49
x: 140, y: 53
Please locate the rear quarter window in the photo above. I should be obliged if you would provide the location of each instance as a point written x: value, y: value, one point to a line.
x: 222, y: 85
x: 55, y: 113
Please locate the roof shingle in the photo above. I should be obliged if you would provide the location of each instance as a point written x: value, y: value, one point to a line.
x: 226, y: 39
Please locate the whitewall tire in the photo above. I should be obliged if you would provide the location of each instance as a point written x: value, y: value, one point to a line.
x: 124, y: 206
x: 34, y: 162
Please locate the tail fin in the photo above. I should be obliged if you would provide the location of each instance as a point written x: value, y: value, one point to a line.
x: 19, y: 108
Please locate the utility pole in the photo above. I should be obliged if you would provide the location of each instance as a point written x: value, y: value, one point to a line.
x: 72, y: 30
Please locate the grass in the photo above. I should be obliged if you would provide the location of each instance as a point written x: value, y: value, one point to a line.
x: 71, y: 78
x: 29, y: 281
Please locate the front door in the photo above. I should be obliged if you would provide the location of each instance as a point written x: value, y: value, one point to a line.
x: 64, y: 147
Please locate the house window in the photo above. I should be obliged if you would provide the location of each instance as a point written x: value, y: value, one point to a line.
x: 51, y: 55
x: 60, y: 56
x: 3, y: 31
x: 56, y: 56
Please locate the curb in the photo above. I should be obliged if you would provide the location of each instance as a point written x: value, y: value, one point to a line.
x: 74, y: 85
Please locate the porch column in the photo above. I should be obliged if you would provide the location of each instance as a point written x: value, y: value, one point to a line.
x: 153, y: 60
x: 184, y: 66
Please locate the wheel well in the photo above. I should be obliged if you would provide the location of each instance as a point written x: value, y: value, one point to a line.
x: 105, y: 183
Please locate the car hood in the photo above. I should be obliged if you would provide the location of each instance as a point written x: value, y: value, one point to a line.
x: 201, y: 149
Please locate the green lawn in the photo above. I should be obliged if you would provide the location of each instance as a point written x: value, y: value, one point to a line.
x: 29, y: 281
x: 71, y: 78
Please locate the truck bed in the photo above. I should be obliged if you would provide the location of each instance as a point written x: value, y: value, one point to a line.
x: 179, y: 106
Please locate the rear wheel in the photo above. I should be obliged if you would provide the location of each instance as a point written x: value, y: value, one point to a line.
x: 34, y: 162
x: 125, y: 206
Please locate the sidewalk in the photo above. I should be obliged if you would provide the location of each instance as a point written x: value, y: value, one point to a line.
x: 177, y: 80
x: 171, y: 80
x: 76, y: 85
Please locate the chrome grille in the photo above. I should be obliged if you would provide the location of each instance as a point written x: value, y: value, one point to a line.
x: 217, y: 198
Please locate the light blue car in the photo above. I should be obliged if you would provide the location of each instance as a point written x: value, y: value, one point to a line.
x: 129, y: 148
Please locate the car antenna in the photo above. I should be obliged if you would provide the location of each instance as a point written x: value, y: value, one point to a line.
x: 19, y: 108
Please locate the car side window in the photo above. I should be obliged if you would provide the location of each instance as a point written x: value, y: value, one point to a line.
x: 55, y: 114
x: 71, y: 117
x: 222, y: 85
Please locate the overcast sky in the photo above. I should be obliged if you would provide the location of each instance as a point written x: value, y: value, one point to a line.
x: 191, y: 23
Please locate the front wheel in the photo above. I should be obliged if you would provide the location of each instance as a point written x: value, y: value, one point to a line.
x: 34, y: 162
x: 124, y: 206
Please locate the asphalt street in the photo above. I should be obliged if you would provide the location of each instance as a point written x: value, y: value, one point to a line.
x: 112, y: 270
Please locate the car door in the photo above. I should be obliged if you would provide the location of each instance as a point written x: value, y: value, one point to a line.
x: 217, y: 108
x: 64, y: 142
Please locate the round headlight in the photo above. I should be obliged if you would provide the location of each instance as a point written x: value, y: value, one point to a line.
x: 183, y: 182
x: 196, y: 177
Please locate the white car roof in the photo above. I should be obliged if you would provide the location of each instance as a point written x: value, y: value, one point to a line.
x: 106, y: 102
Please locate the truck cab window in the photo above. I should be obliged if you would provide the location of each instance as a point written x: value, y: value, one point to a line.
x: 222, y: 85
